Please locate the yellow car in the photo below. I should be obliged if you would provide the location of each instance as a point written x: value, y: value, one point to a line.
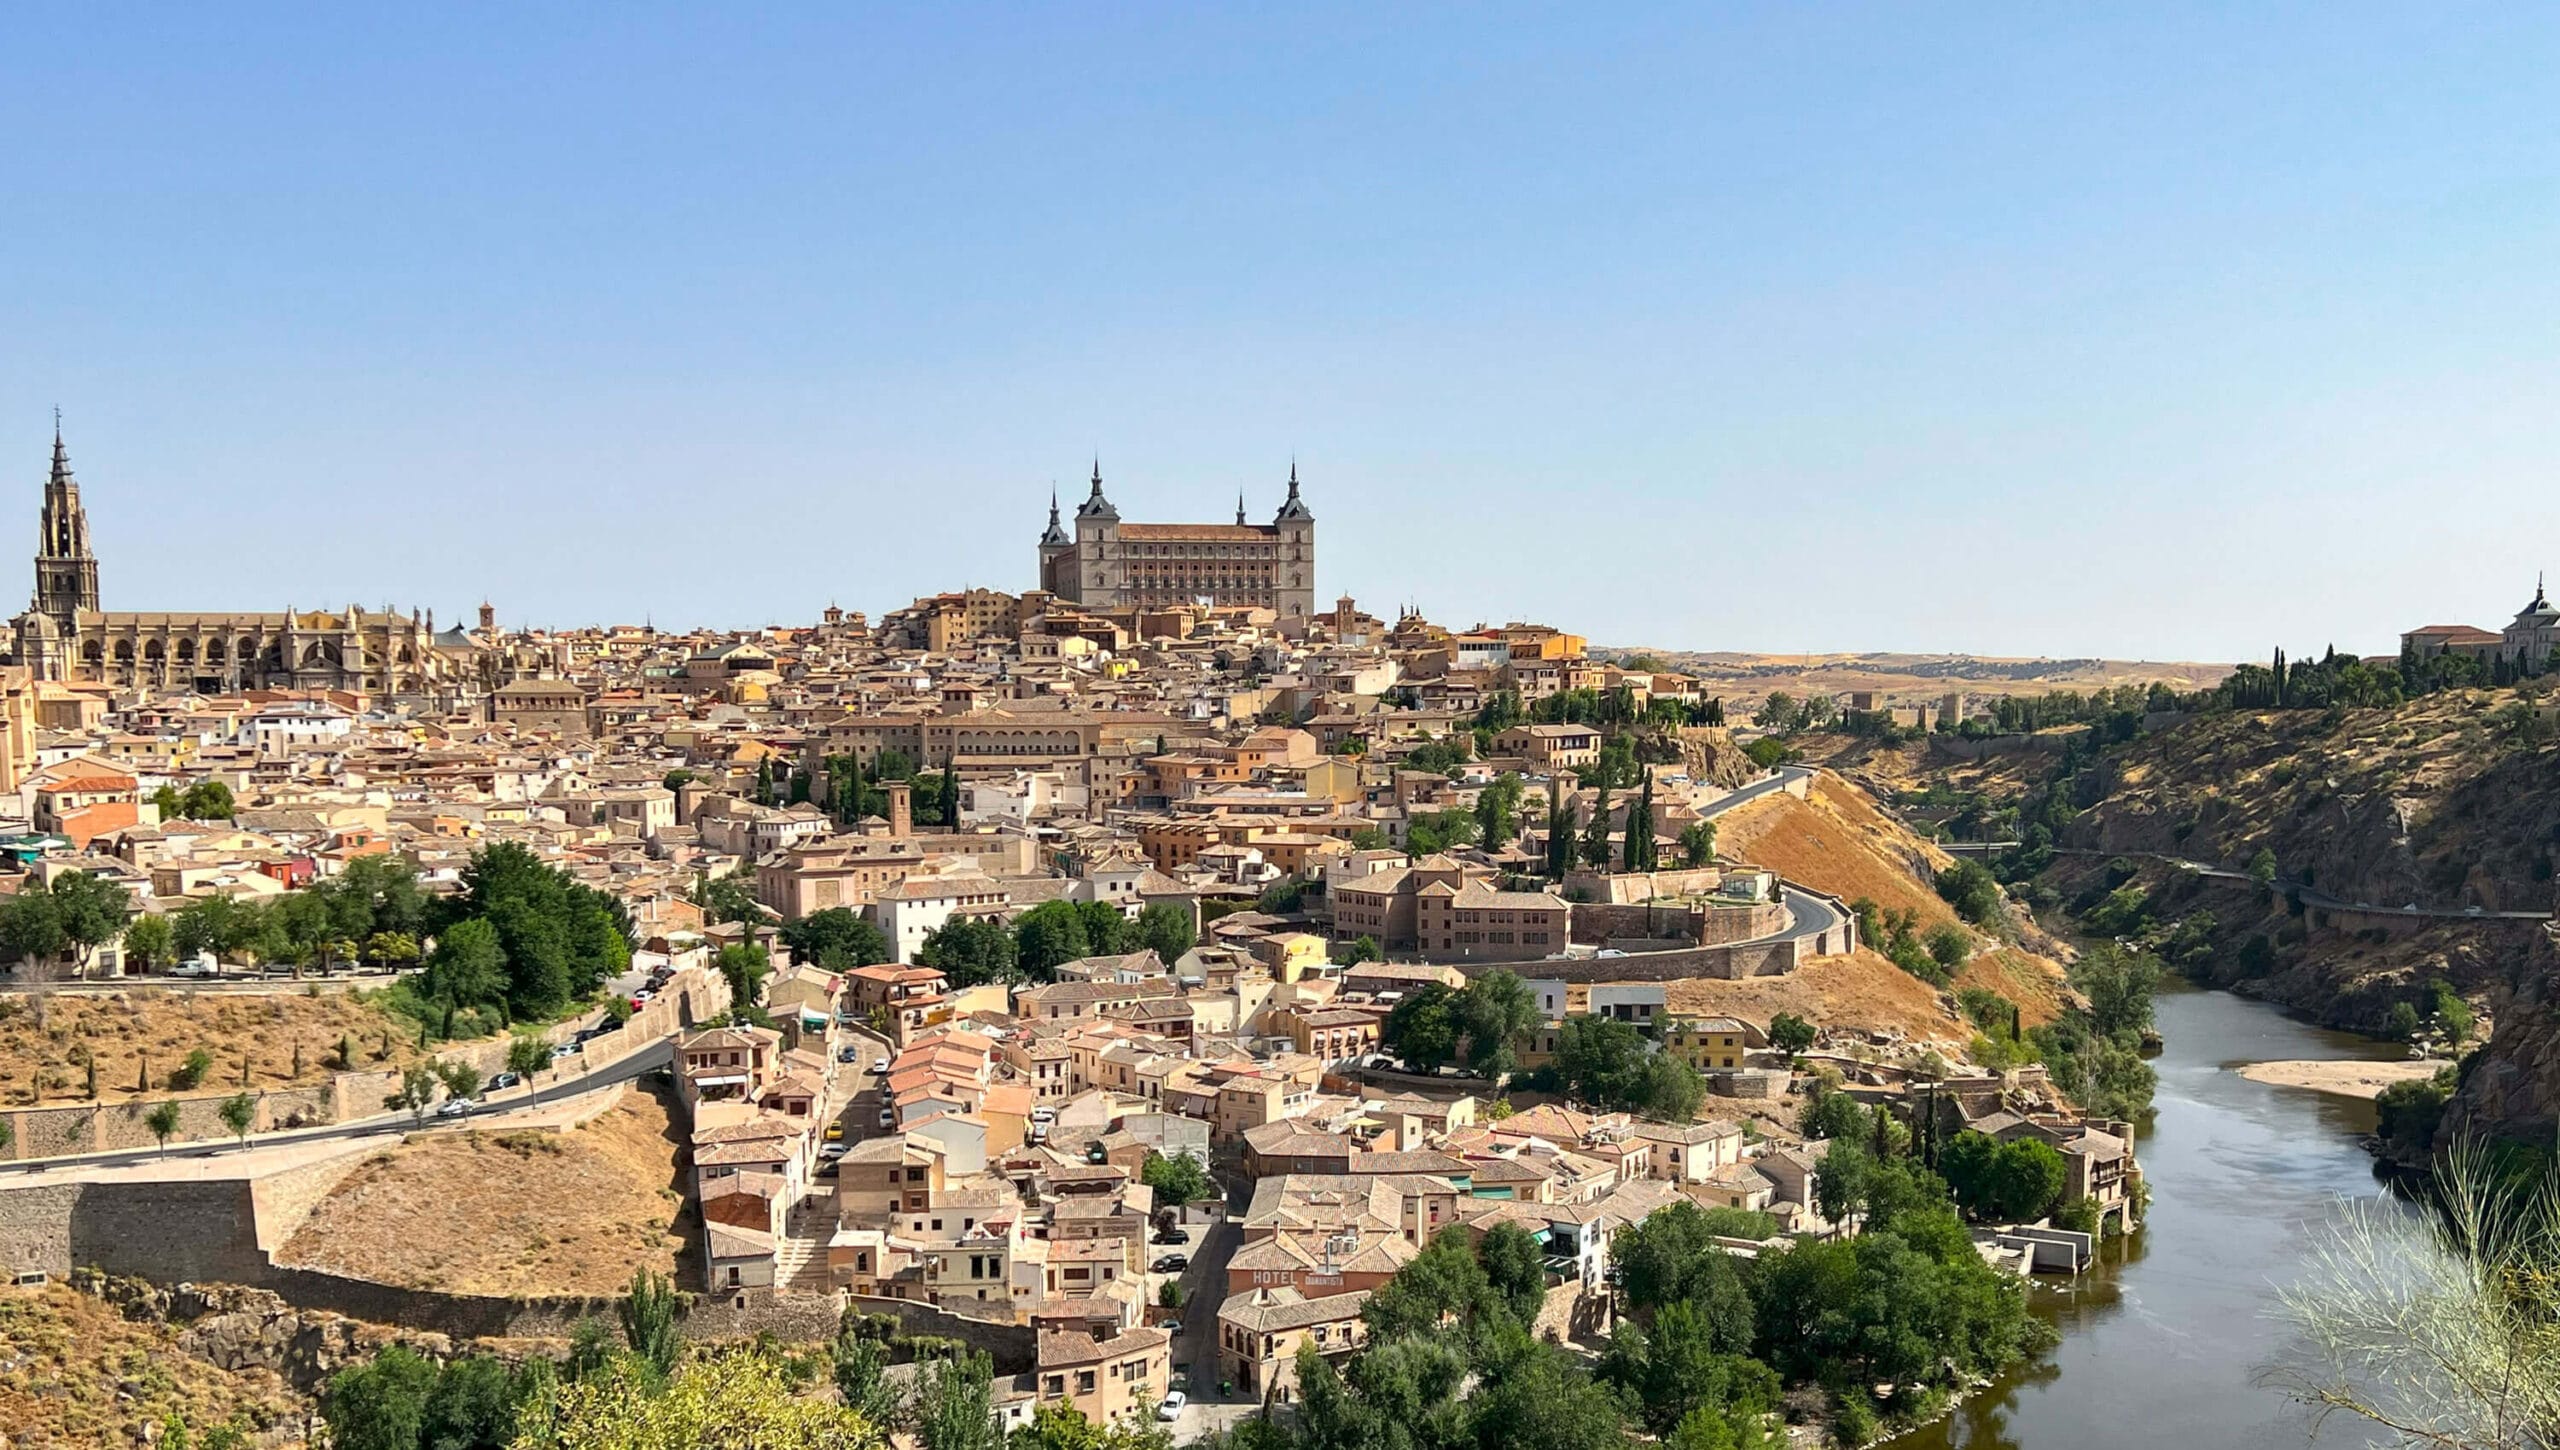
x: 835, y: 1132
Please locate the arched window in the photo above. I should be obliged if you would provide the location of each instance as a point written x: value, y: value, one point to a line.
x: 124, y: 651
x: 186, y: 654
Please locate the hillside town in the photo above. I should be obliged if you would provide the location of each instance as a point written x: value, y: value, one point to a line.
x: 1133, y: 975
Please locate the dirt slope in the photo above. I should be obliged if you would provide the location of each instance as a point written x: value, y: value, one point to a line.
x: 526, y: 1212
x: 151, y: 1029
x: 74, y: 1372
x: 1837, y: 841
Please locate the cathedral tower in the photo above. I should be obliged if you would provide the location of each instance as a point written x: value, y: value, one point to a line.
x: 66, y: 572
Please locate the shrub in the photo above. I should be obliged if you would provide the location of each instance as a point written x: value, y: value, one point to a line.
x: 192, y: 1072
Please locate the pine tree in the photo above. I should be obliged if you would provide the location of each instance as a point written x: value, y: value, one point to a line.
x: 2279, y: 673
x: 764, y: 781
x: 951, y: 793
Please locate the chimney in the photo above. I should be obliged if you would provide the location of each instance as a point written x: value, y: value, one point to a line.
x: 902, y: 820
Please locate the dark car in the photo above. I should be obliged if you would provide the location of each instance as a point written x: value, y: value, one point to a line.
x: 1173, y: 1263
x: 1169, y: 1236
x: 848, y: 1054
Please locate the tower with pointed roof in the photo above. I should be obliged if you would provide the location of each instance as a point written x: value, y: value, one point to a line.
x: 1111, y: 565
x: 66, y: 571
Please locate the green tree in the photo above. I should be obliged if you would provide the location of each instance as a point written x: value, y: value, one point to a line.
x: 648, y: 1315
x: 416, y: 1092
x: 1357, y: 950
x: 1698, y: 844
x: 1498, y: 811
x: 527, y: 1054
x: 1165, y: 928
x: 191, y: 1072
x: 1515, y: 1269
x: 1050, y: 933
x: 208, y: 800
x: 1108, y: 931
x: 2402, y: 1023
x: 149, y: 941
x: 970, y: 950
x: 2262, y: 867
x: 472, y: 1407
x: 1177, y: 1180
x: 745, y: 967
x: 1790, y: 1034
x: 1422, y: 1028
x: 837, y: 938
x: 1948, y: 946
x: 460, y: 1078
x: 162, y: 1120
x: 955, y: 1404
x: 1639, y: 852
x: 1595, y: 834
x: 1064, y: 1427
x: 1494, y: 1012
x: 381, y: 1404
x: 862, y: 1379
x: 468, y: 966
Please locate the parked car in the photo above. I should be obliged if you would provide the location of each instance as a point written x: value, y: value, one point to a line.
x: 880, y: 1067
x: 832, y: 1151
x: 457, y: 1108
x: 848, y: 1054
x: 835, y: 1131
x: 1171, y: 1409
x: 830, y: 1167
x: 1044, y: 1115
x: 641, y: 998
x: 504, y: 1080
x: 202, y: 964
x: 1170, y: 1236
x: 1173, y: 1263
x: 565, y: 1049
x: 888, y: 1117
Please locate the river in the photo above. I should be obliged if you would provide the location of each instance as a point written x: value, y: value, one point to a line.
x: 2158, y: 1348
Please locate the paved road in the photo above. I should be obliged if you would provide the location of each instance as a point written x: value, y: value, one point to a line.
x: 1757, y: 789
x: 656, y: 1055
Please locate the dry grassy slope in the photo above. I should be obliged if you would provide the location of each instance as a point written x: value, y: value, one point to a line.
x: 1838, y: 841
x: 128, y: 1031
x: 74, y: 1372
x: 526, y: 1212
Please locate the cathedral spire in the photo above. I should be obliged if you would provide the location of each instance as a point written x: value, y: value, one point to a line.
x: 1239, y: 508
x: 66, y: 572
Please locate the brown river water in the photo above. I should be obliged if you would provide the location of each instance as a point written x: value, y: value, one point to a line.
x: 2160, y: 1346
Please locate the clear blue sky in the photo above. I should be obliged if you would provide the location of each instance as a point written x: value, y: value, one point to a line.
x: 2005, y: 329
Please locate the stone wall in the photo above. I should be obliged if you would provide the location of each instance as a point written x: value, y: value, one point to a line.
x: 1762, y: 959
x: 101, y: 1127
x: 1597, y: 924
x: 1014, y: 1347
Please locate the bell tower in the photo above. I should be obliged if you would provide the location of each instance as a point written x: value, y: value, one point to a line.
x: 66, y: 572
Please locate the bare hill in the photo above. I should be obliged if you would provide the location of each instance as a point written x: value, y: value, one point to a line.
x: 525, y: 1212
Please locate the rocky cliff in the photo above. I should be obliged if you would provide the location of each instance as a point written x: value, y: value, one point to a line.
x: 2450, y: 804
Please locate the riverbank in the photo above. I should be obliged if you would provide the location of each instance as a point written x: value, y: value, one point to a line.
x: 2363, y: 1080
x: 2159, y: 1344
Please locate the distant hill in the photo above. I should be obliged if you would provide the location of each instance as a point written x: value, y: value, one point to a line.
x: 1918, y: 676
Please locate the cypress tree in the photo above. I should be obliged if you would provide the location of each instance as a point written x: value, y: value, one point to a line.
x: 1555, y: 826
x: 1595, y: 838
x: 1638, y: 850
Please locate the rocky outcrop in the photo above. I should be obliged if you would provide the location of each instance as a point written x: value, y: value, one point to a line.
x: 234, y: 1328
x: 2512, y: 1086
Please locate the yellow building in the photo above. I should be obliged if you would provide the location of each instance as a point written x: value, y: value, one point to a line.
x: 1292, y: 954
x: 1711, y: 1044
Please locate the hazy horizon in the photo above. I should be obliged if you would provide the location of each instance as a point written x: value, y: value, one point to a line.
x: 2170, y: 336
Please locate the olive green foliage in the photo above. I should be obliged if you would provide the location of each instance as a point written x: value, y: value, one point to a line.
x: 971, y: 950
x: 1177, y: 1180
x: 2012, y: 1182
x: 1611, y: 1065
x: 2095, y: 1051
x: 558, y: 941
x: 1790, y: 1033
x: 1475, y: 1025
x: 837, y: 938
